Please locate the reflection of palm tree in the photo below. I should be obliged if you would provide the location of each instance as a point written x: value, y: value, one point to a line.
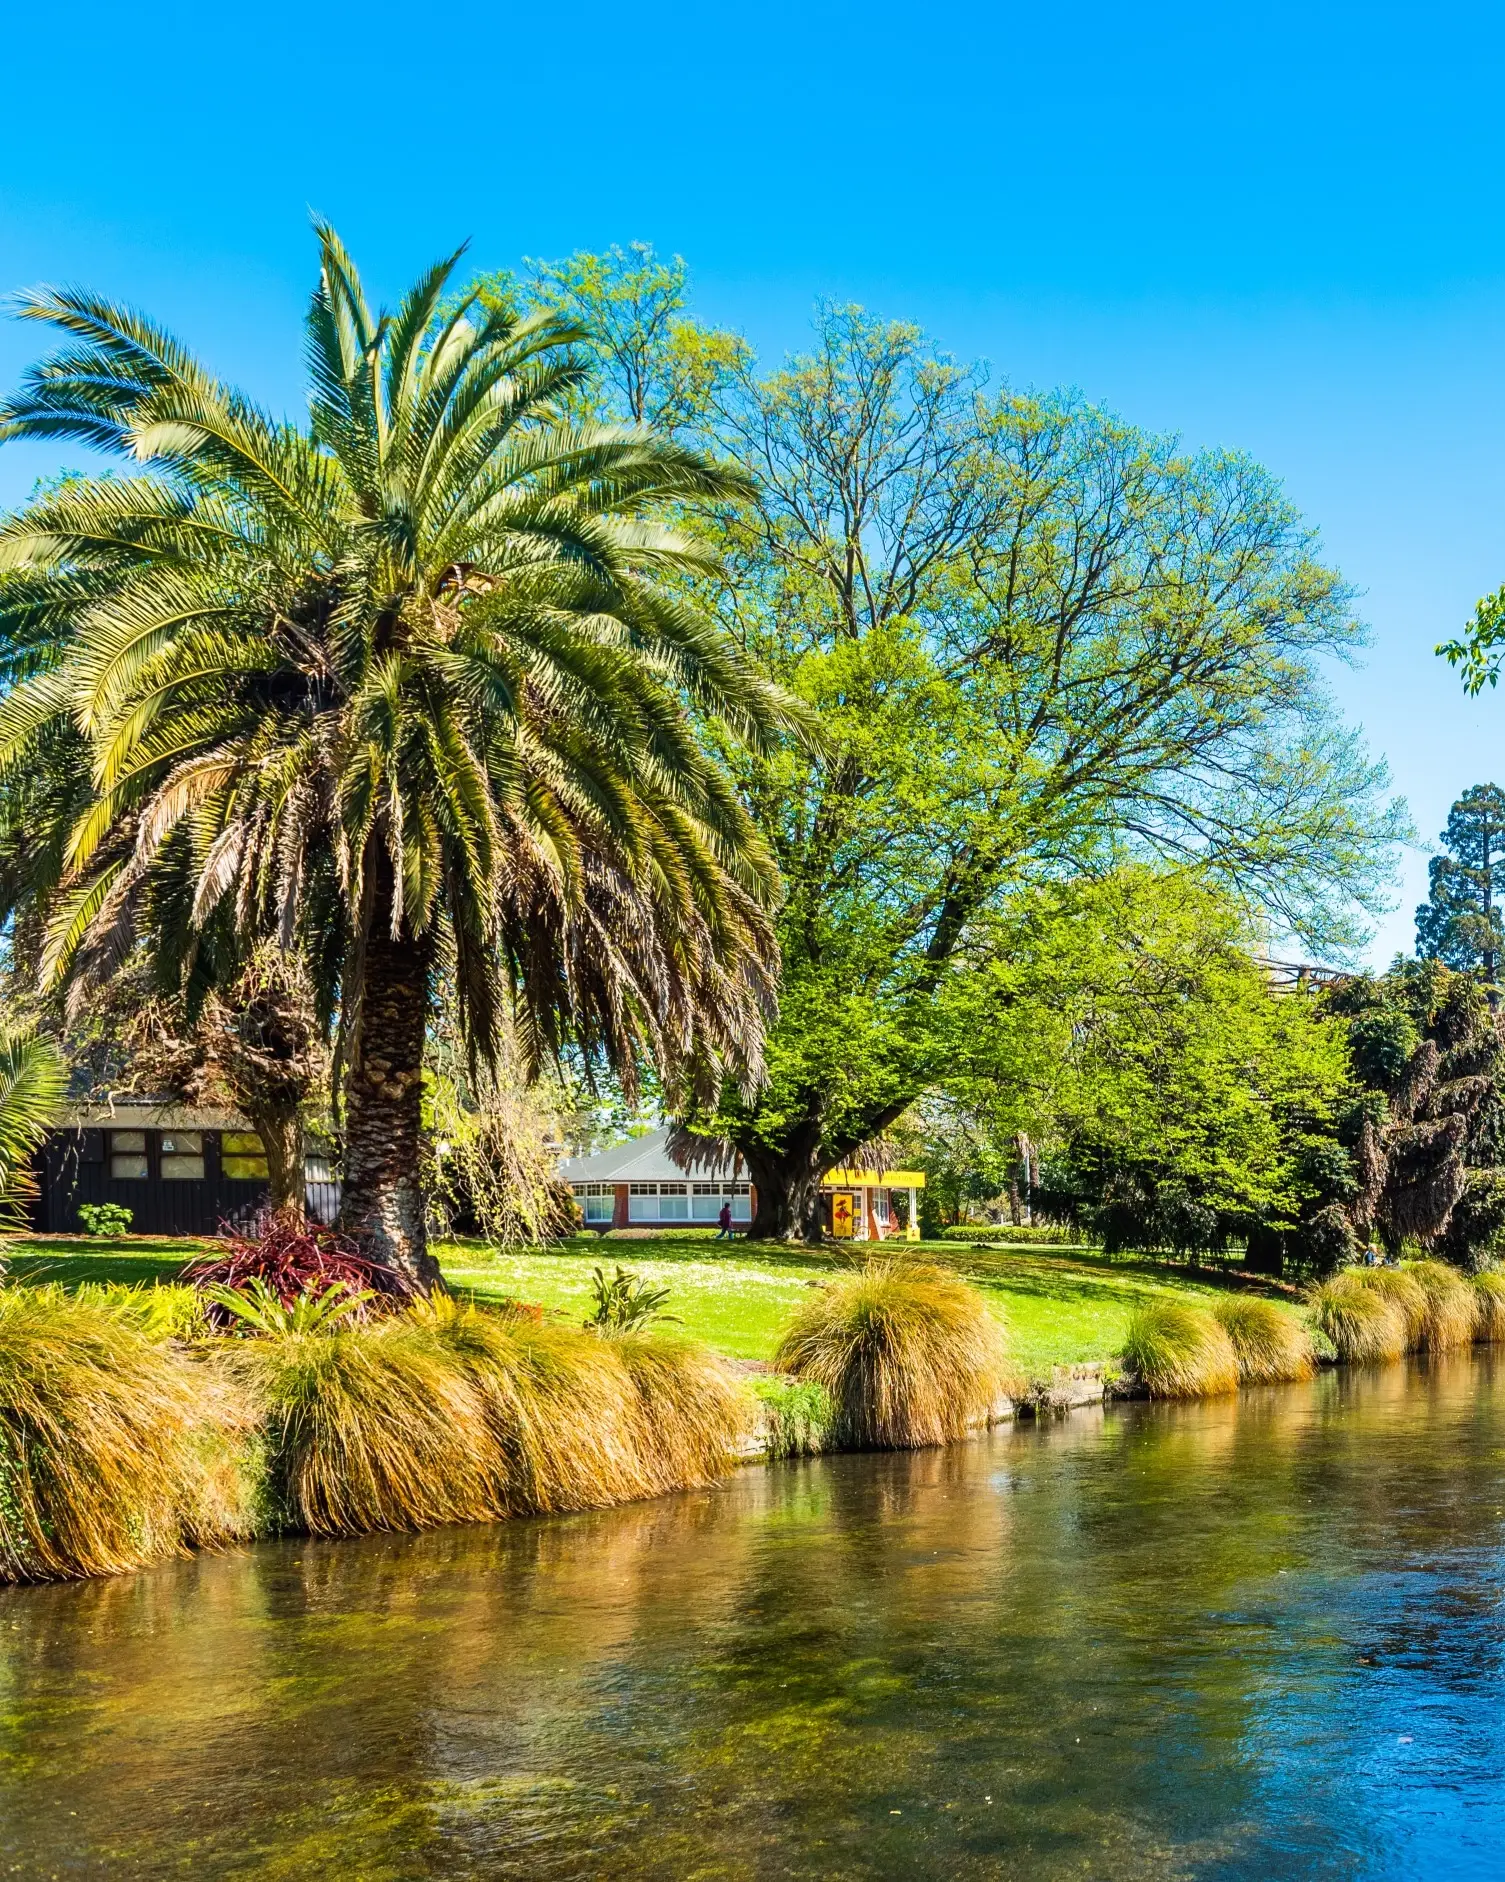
x: 406, y: 687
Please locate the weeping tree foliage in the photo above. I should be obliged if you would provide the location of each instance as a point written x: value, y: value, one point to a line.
x: 1426, y: 1051
x: 406, y: 687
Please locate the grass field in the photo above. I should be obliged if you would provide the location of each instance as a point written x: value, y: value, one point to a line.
x: 1062, y: 1306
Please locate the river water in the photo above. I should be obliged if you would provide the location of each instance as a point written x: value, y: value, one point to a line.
x: 1258, y: 1638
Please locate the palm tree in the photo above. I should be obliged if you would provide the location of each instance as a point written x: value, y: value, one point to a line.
x: 32, y: 1083
x: 412, y: 686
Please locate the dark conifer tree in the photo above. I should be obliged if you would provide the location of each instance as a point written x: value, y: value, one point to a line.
x: 1460, y: 923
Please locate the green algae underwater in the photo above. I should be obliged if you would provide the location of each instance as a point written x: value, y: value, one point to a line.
x: 1235, y: 1638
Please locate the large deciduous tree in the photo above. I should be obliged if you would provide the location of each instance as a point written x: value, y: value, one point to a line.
x: 403, y: 687
x: 1038, y: 642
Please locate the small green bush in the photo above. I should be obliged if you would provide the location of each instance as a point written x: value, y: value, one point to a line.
x: 1180, y: 1351
x: 1489, y: 1312
x: 105, y: 1218
x: 1048, y: 1235
x: 796, y: 1415
x: 1364, y: 1324
x: 1269, y: 1344
x: 908, y: 1354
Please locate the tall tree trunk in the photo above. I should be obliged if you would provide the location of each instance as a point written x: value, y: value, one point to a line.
x: 281, y: 1134
x: 788, y: 1186
x: 382, y: 1204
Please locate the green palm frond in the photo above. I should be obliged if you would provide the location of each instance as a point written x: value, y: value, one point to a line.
x: 440, y: 638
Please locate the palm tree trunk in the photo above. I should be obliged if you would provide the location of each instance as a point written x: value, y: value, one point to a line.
x: 382, y: 1204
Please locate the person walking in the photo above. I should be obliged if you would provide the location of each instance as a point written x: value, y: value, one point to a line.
x: 724, y: 1232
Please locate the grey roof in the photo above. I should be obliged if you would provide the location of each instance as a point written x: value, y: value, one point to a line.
x: 638, y: 1160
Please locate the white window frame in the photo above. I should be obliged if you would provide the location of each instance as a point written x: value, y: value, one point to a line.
x: 598, y: 1201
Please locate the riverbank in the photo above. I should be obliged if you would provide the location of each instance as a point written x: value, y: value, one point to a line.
x: 1061, y: 1307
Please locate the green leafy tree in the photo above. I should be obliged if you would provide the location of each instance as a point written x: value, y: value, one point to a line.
x: 1180, y: 1098
x: 1037, y: 641
x: 1460, y: 922
x: 404, y: 687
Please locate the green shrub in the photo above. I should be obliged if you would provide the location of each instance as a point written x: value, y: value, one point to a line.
x: 1452, y: 1306
x: 163, y: 1310
x: 796, y: 1415
x: 624, y: 1303
x: 105, y: 1218
x: 115, y: 1449
x: 1489, y: 1306
x: 1270, y: 1344
x: 1180, y: 1351
x: 1044, y: 1234
x: 1364, y: 1325
x: 908, y: 1354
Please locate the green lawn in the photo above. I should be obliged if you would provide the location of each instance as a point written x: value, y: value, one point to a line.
x: 1062, y: 1306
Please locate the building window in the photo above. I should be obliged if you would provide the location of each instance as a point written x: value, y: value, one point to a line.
x: 707, y: 1199
x: 242, y: 1157
x: 598, y: 1201
x: 658, y: 1202
x: 128, y: 1156
x: 182, y: 1157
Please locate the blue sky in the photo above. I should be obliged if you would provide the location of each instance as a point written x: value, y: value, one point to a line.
x: 1277, y: 227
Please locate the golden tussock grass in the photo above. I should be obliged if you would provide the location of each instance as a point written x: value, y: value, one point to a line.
x: 1269, y: 1344
x: 908, y: 1354
x: 1452, y: 1306
x: 1364, y: 1324
x: 1405, y: 1293
x: 1489, y: 1289
x: 115, y: 1450
x: 370, y: 1427
x: 1180, y: 1351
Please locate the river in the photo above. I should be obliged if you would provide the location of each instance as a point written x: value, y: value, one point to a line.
x: 1252, y: 1638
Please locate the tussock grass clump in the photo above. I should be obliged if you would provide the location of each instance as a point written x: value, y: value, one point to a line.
x: 1364, y: 1325
x: 690, y: 1412
x: 371, y: 1426
x: 1489, y: 1305
x: 115, y: 1449
x: 1180, y: 1351
x: 908, y: 1354
x: 580, y: 1421
x: 1269, y: 1344
x: 1405, y: 1293
x: 1452, y: 1306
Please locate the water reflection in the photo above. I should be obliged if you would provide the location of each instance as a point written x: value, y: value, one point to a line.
x: 1252, y: 1638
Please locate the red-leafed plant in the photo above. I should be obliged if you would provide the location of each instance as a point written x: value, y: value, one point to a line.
x: 290, y: 1257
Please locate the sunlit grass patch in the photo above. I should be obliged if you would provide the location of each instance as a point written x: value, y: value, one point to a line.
x: 909, y: 1355
x: 1180, y: 1350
